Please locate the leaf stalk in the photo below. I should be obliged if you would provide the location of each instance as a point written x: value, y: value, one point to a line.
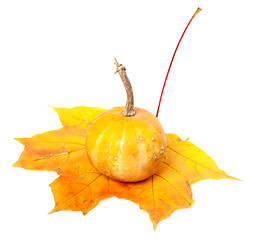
x: 197, y: 11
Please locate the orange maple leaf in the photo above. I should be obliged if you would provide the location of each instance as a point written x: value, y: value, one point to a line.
x: 80, y: 186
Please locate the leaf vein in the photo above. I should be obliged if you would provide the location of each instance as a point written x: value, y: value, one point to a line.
x: 218, y: 172
x: 171, y: 167
x: 59, y: 154
x: 59, y: 142
x: 174, y: 188
x: 87, y: 185
x: 153, y: 195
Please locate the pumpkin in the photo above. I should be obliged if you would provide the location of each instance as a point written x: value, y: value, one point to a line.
x: 126, y: 144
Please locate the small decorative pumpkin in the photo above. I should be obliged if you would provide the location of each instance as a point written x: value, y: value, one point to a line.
x: 126, y: 144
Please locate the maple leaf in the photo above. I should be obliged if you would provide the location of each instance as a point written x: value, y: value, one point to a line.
x: 80, y: 186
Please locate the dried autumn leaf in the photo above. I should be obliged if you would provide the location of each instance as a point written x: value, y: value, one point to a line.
x: 80, y: 186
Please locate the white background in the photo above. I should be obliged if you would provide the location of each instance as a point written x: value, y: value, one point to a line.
x: 60, y: 53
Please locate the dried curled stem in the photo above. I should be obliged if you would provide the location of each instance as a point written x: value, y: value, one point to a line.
x: 128, y: 111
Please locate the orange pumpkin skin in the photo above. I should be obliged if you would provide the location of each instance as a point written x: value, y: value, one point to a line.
x: 127, y: 149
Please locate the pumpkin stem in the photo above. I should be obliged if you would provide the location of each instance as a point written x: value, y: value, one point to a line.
x: 128, y: 111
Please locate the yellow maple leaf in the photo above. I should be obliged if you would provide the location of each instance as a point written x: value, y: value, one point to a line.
x: 81, y: 186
